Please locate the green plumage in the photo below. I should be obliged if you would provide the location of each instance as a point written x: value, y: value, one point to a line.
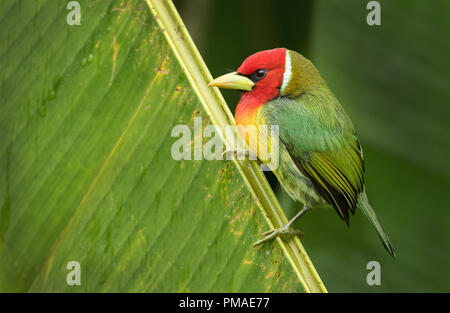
x: 321, y: 160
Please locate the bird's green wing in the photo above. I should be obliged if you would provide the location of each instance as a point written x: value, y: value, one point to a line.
x: 337, y: 176
x: 323, y: 144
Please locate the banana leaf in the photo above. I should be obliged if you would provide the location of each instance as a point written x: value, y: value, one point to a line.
x: 87, y: 175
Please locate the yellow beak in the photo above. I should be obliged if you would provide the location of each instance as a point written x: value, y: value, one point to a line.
x: 233, y: 81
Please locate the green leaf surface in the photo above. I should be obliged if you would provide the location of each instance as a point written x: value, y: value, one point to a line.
x: 86, y: 168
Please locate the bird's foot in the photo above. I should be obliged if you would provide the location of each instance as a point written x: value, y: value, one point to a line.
x: 284, y: 231
x: 239, y: 154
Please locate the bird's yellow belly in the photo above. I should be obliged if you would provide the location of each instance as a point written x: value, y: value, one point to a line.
x: 294, y: 182
x: 257, y: 135
x: 262, y: 140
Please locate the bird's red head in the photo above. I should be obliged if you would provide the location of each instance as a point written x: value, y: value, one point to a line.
x: 265, y: 69
x: 267, y: 75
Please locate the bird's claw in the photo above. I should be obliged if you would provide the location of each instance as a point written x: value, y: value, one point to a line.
x: 284, y: 231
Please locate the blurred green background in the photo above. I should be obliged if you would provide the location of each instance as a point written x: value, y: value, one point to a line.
x: 393, y: 80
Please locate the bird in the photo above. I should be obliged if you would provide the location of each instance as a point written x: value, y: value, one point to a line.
x: 321, y: 161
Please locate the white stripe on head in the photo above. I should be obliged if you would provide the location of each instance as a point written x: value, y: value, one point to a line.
x: 287, y: 71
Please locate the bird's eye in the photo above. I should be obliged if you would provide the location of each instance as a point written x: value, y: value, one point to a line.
x: 258, y: 75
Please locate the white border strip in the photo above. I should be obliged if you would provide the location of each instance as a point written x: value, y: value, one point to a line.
x: 287, y: 71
